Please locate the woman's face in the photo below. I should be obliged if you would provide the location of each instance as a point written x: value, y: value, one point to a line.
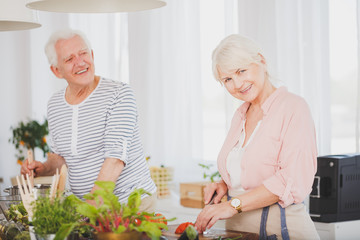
x: 246, y: 84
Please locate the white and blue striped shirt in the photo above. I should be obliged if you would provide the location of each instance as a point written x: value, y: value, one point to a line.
x: 104, y: 125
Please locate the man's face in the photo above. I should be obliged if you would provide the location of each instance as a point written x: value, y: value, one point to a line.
x: 75, y: 62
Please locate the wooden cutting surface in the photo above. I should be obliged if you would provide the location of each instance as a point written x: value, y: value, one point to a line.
x: 212, y: 234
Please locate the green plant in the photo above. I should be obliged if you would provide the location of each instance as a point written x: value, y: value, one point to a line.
x: 211, y: 176
x: 29, y: 135
x: 18, y: 213
x: 9, y: 230
x: 51, y: 214
x: 109, y: 215
x: 25, y: 235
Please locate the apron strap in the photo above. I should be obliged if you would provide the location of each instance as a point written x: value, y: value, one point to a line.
x: 284, y: 230
x: 264, y: 216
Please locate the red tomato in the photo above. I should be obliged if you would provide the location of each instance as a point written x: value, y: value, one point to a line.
x: 181, y: 228
x: 137, y: 222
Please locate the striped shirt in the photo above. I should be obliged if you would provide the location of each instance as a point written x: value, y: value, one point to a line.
x: 104, y: 125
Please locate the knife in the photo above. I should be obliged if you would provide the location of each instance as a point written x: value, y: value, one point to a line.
x: 212, y: 198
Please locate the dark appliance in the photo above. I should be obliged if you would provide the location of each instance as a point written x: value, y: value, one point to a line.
x: 335, y: 194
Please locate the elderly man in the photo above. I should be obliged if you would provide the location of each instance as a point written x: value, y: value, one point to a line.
x: 93, y: 125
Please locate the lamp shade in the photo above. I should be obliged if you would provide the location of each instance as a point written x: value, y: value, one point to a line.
x: 94, y: 6
x: 14, y: 15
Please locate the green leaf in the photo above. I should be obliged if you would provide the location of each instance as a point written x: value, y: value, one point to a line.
x: 134, y: 199
x: 89, y: 211
x: 120, y: 229
x: 65, y: 230
x: 207, y: 167
x: 108, y: 185
x: 150, y: 229
x: 74, y: 199
x: 214, y: 175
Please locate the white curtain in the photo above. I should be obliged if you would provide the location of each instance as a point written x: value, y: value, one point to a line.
x: 164, y: 52
x: 295, y: 37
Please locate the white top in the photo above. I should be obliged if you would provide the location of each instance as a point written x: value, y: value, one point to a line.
x: 233, y: 161
x: 104, y: 125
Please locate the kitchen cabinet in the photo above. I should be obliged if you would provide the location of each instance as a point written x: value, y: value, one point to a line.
x: 348, y: 230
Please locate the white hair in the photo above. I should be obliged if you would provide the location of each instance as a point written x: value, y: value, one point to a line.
x: 234, y: 52
x: 64, y: 34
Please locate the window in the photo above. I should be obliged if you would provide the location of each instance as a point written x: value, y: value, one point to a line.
x: 217, y: 20
x: 343, y: 73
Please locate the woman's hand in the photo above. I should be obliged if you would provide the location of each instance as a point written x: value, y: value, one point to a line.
x: 220, y: 188
x: 211, y: 213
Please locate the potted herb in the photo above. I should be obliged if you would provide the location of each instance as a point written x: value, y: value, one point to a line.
x: 51, y: 214
x: 111, y: 219
x: 29, y: 135
x: 212, y: 176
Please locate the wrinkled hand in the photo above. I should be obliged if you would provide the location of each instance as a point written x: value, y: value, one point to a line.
x: 212, y: 213
x: 37, y: 166
x: 220, y: 188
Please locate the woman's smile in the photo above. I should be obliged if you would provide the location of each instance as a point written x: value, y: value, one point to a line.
x: 247, y: 89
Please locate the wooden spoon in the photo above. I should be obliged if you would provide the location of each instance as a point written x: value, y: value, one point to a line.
x: 62, y: 180
x: 54, y: 185
x: 30, y: 157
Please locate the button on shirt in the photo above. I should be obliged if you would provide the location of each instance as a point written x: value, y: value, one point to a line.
x: 282, y: 154
x: 103, y: 126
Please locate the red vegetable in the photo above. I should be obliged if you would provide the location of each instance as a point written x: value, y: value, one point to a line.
x: 137, y: 222
x: 156, y: 218
x: 181, y: 228
x: 161, y: 218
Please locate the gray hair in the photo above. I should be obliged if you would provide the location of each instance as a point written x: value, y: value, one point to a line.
x: 233, y: 52
x: 64, y: 34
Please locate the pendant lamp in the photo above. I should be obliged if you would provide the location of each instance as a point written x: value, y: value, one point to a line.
x: 94, y: 6
x: 14, y: 15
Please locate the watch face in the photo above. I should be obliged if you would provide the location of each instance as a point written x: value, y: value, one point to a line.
x: 235, y: 202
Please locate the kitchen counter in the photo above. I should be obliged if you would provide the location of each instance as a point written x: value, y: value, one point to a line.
x: 170, y: 208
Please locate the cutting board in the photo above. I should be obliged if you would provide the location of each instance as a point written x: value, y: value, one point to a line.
x: 212, y: 234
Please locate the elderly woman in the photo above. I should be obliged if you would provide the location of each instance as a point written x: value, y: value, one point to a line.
x: 268, y: 160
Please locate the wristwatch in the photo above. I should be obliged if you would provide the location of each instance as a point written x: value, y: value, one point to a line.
x: 236, y: 204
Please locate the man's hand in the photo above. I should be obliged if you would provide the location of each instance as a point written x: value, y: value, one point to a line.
x: 110, y: 171
x: 47, y: 168
x: 37, y: 166
x: 93, y: 202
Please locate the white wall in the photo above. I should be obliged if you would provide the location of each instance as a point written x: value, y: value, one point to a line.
x: 26, y: 85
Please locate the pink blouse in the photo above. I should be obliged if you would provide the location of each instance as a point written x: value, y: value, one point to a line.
x: 282, y: 154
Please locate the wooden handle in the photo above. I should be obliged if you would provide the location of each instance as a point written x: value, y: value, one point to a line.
x: 62, y: 180
x: 30, y: 157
